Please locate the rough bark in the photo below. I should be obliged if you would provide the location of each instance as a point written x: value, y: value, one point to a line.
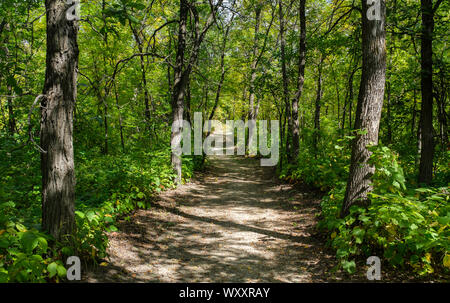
x: 368, y: 111
x: 57, y: 163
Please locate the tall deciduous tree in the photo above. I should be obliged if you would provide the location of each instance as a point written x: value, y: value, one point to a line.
x: 182, y: 71
x: 300, y: 81
x: 59, y: 95
x: 285, y: 80
x: 426, y: 75
x: 179, y: 87
x: 370, y: 102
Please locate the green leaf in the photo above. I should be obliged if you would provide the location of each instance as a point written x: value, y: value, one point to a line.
x: 4, y: 243
x: 349, y: 266
x: 68, y: 251
x: 358, y: 233
x: 80, y: 214
x: 90, y: 215
x: 29, y: 241
x: 42, y: 243
x: 20, y: 227
x: 52, y: 269
x: 62, y: 272
x: 341, y: 253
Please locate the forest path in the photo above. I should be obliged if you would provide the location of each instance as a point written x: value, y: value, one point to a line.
x: 234, y: 223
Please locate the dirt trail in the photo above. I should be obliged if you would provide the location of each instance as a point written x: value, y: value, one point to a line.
x: 234, y: 223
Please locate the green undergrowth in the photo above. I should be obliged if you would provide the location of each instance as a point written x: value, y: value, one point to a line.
x: 406, y: 225
x: 108, y: 186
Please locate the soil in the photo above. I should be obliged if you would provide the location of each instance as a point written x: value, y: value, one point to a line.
x: 236, y: 222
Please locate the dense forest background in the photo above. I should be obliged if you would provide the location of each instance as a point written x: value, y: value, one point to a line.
x: 139, y: 65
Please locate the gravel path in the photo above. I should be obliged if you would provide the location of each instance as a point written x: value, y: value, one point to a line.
x: 233, y: 223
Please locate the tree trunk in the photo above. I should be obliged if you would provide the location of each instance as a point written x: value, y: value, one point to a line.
x: 317, y: 107
x: 441, y: 97
x: 251, y: 110
x: 300, y: 82
x: 60, y: 91
x: 426, y: 115
x: 413, y: 120
x: 182, y: 73
x: 122, y: 141
x: 144, y: 78
x: 179, y: 88
x: 285, y: 84
x: 106, y: 91
x: 368, y: 111
x: 187, y: 112
x: 222, y: 69
x: 11, y: 118
x: 388, y: 118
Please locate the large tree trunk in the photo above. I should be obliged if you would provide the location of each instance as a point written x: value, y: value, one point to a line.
x: 60, y: 91
x: 300, y: 82
x: 368, y: 111
x: 426, y: 115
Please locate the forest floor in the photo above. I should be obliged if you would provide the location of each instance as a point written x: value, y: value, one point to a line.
x: 234, y: 223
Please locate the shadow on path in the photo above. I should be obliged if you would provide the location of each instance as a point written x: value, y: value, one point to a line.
x: 234, y: 223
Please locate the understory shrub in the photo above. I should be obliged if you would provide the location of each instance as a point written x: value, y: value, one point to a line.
x: 407, y: 226
x: 108, y: 186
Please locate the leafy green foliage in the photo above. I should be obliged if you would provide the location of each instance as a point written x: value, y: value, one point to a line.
x: 109, y: 186
x: 408, y: 227
x: 326, y: 169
